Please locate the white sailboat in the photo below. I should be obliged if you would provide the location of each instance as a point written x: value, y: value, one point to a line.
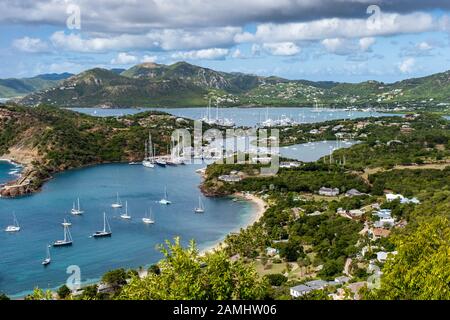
x: 66, y: 223
x: 76, y: 210
x: 200, y: 208
x: 148, y: 160
x: 106, y: 232
x: 118, y: 203
x: 165, y: 200
x: 67, y: 241
x: 48, y: 259
x: 15, y: 227
x: 148, y: 218
x: 126, y: 215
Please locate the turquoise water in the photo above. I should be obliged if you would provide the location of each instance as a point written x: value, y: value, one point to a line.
x: 245, y: 116
x: 132, y: 243
x: 5, y: 169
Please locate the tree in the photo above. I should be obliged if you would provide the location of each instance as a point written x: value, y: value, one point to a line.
x: 154, y: 269
x: 115, y: 278
x: 39, y: 294
x: 420, y: 268
x: 63, y: 292
x: 185, y: 275
x: 3, y: 296
x: 276, y: 279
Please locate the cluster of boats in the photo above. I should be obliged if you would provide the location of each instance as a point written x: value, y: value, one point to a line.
x: 106, y: 231
x: 150, y: 160
x: 209, y: 119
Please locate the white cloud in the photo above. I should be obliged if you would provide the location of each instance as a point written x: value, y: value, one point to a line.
x: 390, y: 24
x: 282, y: 48
x: 407, y: 65
x: 30, y: 45
x: 124, y: 58
x: 237, y: 54
x: 147, y: 59
x: 168, y: 39
x: 424, y: 46
x: 366, y: 43
x: 205, y: 54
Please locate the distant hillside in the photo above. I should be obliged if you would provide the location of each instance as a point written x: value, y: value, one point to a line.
x: 185, y: 85
x: 13, y: 87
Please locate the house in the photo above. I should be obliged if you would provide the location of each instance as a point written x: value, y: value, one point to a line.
x: 383, y: 213
x: 317, y: 284
x: 314, y: 131
x: 300, y: 290
x: 329, y: 192
x: 341, y: 211
x: 230, y: 178
x: 356, y: 213
x: 391, y: 197
x: 382, y: 255
x: 384, y: 222
x: 378, y: 233
x: 353, y: 193
x: 342, y: 280
x: 314, y: 214
x: 271, y: 251
x: 355, y: 287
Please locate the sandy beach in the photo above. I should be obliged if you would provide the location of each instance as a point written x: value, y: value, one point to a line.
x: 258, y: 212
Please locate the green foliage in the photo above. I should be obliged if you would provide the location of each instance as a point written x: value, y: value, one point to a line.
x: 276, y: 279
x: 420, y: 269
x: 63, y: 292
x: 3, y: 296
x: 187, y: 276
x: 39, y: 294
x: 115, y: 278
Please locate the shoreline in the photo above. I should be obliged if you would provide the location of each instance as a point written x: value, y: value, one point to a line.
x: 258, y: 212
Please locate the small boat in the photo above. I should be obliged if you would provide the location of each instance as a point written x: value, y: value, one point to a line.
x: 118, y: 203
x: 106, y: 232
x: 160, y: 162
x: 48, y: 259
x: 126, y: 215
x: 14, y: 227
x: 165, y: 200
x: 148, y: 218
x: 200, y: 208
x: 133, y: 163
x: 148, y: 160
x: 66, y: 223
x: 67, y: 241
x: 76, y: 211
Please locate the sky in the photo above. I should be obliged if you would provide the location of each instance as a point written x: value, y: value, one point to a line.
x: 328, y: 40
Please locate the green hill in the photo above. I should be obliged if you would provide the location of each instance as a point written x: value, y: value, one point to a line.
x: 13, y: 87
x: 185, y: 85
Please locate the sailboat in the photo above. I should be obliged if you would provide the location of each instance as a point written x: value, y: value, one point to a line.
x: 165, y: 200
x: 118, y: 203
x: 106, y: 232
x: 66, y: 223
x: 200, y: 208
x: 148, y: 218
x: 77, y: 210
x: 67, y: 239
x: 14, y: 227
x: 148, y: 160
x: 126, y: 215
x: 48, y: 259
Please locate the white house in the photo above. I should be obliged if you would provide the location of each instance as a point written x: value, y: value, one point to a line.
x: 330, y: 192
x: 300, y: 290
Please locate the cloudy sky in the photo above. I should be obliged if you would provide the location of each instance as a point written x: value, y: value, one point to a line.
x: 340, y: 40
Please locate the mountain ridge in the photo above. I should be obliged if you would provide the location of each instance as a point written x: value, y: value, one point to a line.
x: 186, y: 85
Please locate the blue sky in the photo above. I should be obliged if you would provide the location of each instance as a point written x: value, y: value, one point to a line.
x: 315, y: 40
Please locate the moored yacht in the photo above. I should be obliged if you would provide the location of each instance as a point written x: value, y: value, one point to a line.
x: 117, y: 204
x: 14, y: 227
x: 125, y: 215
x: 165, y: 200
x: 76, y: 210
x: 67, y: 241
x: 106, y: 232
x: 48, y: 259
x: 148, y: 218
x: 200, y: 208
